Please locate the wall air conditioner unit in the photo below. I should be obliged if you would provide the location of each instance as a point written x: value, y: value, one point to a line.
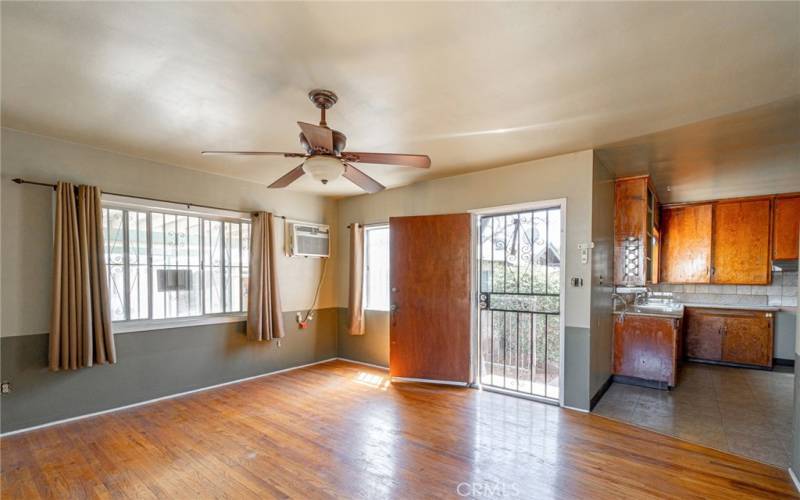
x: 307, y: 239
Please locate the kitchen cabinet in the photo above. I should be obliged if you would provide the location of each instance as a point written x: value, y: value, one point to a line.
x: 786, y: 228
x: 704, y: 334
x: 636, y: 236
x: 723, y: 242
x: 647, y: 348
x: 741, y: 242
x: 730, y: 336
x: 686, y: 244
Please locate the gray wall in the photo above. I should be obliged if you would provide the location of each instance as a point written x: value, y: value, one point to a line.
x: 796, y: 424
x: 785, y: 334
x: 577, y: 347
x: 602, y: 327
x: 150, y: 365
x: 373, y: 347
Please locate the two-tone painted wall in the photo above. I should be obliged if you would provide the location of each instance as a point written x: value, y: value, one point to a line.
x: 570, y: 176
x: 151, y: 364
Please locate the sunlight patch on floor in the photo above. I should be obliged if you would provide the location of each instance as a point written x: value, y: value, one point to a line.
x: 372, y: 380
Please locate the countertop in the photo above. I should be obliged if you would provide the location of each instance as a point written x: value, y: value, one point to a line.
x: 735, y: 307
x: 678, y: 311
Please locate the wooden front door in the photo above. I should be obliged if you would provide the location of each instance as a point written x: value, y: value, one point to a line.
x: 429, y: 335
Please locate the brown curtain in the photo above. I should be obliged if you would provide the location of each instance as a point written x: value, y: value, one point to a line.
x: 355, y: 299
x: 264, y: 313
x: 80, y: 331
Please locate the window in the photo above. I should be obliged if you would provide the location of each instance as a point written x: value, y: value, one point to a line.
x: 164, y: 264
x: 376, y: 261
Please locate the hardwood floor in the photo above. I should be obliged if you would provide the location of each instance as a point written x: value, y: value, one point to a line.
x: 340, y: 430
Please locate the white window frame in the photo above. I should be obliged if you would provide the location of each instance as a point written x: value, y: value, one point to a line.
x: 365, y: 287
x: 148, y: 206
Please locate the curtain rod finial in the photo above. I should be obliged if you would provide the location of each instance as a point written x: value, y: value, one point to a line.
x: 18, y: 180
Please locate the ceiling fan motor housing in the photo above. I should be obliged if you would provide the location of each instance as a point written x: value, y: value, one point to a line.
x: 339, y: 143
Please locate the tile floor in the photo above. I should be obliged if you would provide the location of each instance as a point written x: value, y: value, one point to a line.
x: 742, y: 411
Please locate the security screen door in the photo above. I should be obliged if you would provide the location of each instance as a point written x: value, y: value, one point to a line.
x: 519, y: 301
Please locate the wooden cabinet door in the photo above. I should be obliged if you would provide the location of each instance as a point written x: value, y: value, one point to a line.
x: 741, y: 242
x: 646, y: 348
x: 686, y: 244
x: 704, y: 334
x: 630, y: 208
x: 430, y: 274
x: 747, y: 338
x: 786, y: 232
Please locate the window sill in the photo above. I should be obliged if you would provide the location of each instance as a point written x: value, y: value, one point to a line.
x: 377, y: 310
x: 164, y: 324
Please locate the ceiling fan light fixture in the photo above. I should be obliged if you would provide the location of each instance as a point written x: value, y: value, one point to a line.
x: 324, y: 168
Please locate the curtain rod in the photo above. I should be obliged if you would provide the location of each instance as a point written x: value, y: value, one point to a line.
x: 20, y: 180
x: 370, y: 224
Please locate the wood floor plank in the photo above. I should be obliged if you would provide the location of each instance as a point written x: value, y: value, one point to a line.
x: 340, y: 430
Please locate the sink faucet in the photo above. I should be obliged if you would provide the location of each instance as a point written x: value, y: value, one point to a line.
x: 616, y: 296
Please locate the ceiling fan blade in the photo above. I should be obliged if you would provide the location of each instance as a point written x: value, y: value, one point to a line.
x: 289, y: 177
x: 361, y: 179
x: 254, y: 153
x: 318, y: 137
x: 418, y: 161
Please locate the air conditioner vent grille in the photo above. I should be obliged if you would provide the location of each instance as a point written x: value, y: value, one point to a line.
x: 309, y: 240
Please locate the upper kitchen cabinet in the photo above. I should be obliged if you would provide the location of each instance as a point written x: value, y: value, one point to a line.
x: 741, y: 242
x: 786, y: 227
x: 636, y: 234
x: 686, y: 244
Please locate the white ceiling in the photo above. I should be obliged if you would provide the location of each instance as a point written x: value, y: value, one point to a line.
x: 473, y: 85
x: 750, y: 152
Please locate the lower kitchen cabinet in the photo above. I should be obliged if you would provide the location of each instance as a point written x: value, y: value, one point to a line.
x: 732, y: 336
x: 647, y: 348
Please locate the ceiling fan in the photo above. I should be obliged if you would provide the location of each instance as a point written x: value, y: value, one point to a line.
x: 325, y: 158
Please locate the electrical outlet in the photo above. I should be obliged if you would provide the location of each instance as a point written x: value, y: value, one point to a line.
x: 5, y: 387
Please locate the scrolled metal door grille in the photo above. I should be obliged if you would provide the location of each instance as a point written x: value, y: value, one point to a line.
x: 519, y: 301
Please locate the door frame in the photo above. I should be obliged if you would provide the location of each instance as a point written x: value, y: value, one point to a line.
x: 561, y: 204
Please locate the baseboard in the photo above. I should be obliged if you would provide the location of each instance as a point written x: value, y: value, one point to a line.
x: 162, y: 398
x: 429, y: 381
x: 600, y: 392
x: 650, y: 384
x: 380, y: 367
x: 794, y: 479
x: 515, y: 394
x: 782, y: 362
x: 725, y: 363
x: 582, y: 410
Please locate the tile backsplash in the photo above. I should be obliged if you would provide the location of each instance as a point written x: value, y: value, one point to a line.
x: 781, y: 293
